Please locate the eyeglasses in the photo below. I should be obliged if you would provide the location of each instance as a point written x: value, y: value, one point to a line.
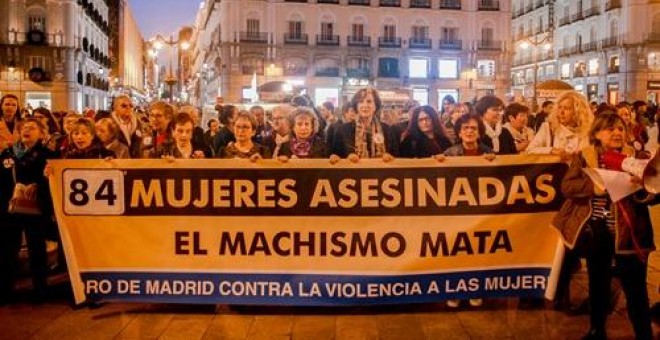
x: 424, y: 119
x: 243, y: 127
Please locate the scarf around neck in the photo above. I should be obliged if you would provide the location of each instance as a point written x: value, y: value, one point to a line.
x: 526, y: 135
x: 494, y: 135
x: 366, y: 136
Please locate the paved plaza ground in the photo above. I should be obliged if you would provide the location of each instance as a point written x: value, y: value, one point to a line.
x: 497, y: 319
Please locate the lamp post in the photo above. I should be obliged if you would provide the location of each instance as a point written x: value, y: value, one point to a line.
x: 158, y: 43
x: 543, y: 39
x: 527, y: 43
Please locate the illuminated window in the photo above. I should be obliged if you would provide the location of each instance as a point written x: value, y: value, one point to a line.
x: 418, y: 68
x: 448, y: 68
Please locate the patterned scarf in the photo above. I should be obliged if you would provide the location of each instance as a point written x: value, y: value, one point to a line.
x: 364, y: 135
x: 301, y: 147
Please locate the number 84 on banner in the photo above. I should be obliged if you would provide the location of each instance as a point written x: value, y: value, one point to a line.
x: 93, y: 192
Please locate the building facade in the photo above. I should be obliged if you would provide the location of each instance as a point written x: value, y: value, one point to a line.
x: 408, y: 49
x: 127, y: 51
x: 608, y: 50
x: 54, y: 53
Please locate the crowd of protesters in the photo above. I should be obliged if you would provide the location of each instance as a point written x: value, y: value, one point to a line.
x: 582, y: 134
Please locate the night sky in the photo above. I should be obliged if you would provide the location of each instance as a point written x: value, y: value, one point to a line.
x: 163, y: 16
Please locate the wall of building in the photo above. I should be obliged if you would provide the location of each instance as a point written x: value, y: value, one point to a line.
x: 42, y: 56
x: 277, y: 59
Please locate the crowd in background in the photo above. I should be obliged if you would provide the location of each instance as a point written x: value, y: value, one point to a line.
x: 582, y: 133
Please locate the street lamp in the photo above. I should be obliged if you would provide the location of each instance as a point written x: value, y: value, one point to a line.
x: 158, y: 42
x: 545, y: 41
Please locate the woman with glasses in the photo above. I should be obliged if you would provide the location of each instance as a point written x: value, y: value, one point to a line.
x: 281, y: 129
x: 424, y: 136
x: 245, y: 127
x: 366, y: 137
x: 129, y: 126
x: 469, y: 128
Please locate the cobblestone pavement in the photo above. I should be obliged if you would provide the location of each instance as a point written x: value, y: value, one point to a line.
x: 496, y: 319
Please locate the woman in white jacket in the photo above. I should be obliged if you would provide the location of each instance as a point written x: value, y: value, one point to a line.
x: 566, y: 130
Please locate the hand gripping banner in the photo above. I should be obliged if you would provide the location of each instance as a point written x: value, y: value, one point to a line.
x: 308, y: 232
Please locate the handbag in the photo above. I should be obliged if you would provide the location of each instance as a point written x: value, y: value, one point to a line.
x: 24, y: 198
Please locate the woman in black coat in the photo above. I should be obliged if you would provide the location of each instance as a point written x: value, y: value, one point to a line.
x: 24, y: 163
x: 366, y: 137
x: 424, y: 136
x: 305, y: 141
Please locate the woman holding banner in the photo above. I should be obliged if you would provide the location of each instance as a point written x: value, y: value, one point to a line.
x: 245, y: 127
x: 305, y: 141
x: 424, y: 136
x: 366, y: 137
x: 469, y: 129
x: 606, y: 230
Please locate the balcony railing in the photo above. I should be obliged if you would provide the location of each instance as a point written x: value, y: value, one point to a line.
x: 296, y: 72
x: 576, y: 17
x: 327, y: 39
x: 489, y: 5
x: 609, y: 42
x: 590, y: 12
x: 362, y: 41
x: 424, y: 43
x: 566, y: 51
x: 389, y: 42
x: 359, y: 2
x: 564, y: 21
x: 455, y: 44
x: 295, y: 38
x: 327, y: 72
x: 420, y: 3
x: 489, y: 45
x: 538, y: 4
x: 358, y: 73
x: 612, y: 4
x: 590, y: 46
x: 390, y: 3
x: 613, y: 69
x: 517, y: 13
x: 548, y: 55
x: 653, y: 37
x: 529, y: 8
x: 254, y: 37
x: 450, y: 4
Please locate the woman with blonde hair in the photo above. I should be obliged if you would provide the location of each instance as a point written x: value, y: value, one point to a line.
x: 566, y: 130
